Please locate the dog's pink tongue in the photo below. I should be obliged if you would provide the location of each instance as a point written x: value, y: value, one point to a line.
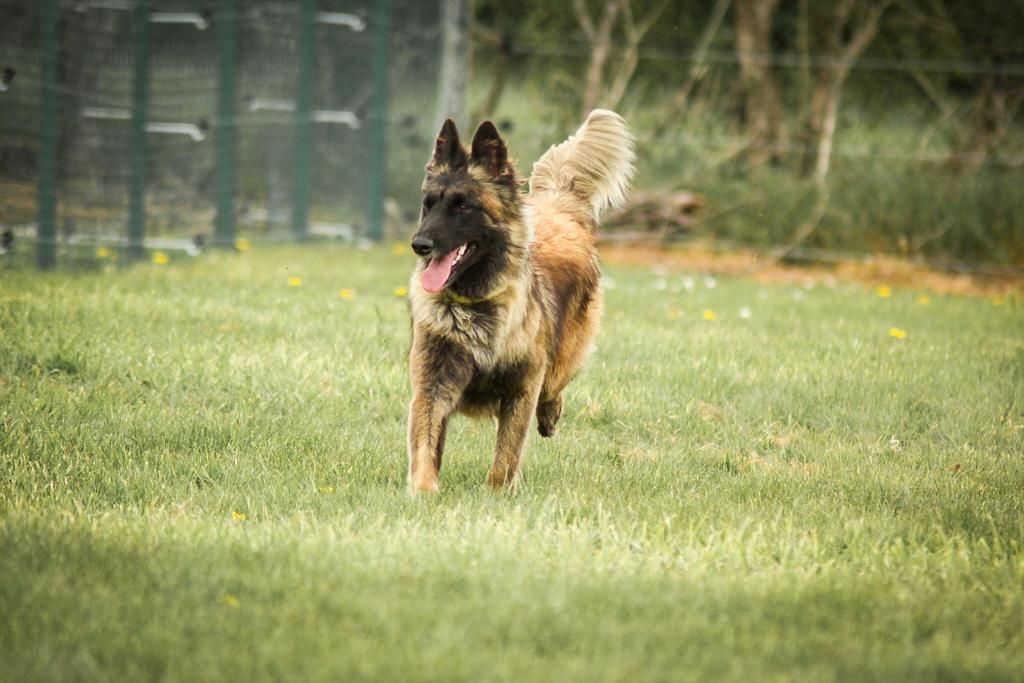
x: 438, y: 271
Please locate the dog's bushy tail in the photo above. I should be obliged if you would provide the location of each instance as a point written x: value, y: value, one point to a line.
x: 594, y: 165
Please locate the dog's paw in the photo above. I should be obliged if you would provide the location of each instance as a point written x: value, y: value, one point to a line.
x: 419, y: 485
x: 502, y: 480
x: 548, y: 413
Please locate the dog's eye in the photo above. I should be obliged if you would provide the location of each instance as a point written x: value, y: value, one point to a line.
x: 461, y: 206
x: 428, y: 202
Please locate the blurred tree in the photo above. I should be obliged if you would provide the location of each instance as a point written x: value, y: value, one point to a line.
x: 698, y: 63
x: 454, y: 62
x: 761, y: 105
x: 987, y: 36
x: 601, y: 89
x: 497, y: 33
x: 845, y: 30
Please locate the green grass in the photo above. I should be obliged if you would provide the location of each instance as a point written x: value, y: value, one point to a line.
x: 792, y: 495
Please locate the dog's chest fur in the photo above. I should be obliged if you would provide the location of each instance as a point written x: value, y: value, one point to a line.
x: 497, y: 333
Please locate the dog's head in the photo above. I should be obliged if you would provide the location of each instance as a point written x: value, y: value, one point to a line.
x: 470, y: 220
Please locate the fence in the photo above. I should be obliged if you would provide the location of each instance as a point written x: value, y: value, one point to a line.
x: 176, y: 122
x: 188, y: 123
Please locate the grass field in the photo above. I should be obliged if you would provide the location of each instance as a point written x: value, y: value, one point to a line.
x: 202, y: 478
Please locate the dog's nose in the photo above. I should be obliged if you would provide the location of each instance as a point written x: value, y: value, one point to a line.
x: 422, y: 245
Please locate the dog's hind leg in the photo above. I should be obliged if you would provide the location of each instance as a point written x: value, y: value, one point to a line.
x: 549, y: 406
x: 439, y: 449
x: 548, y: 412
x: 577, y: 343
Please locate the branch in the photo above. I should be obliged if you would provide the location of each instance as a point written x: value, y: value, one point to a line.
x: 622, y: 77
x: 1016, y: 100
x: 842, y: 13
x: 631, y: 53
x: 956, y: 112
x: 611, y: 9
x: 933, y: 91
x: 834, y: 35
x: 652, y: 17
x: 805, y: 230
x: 697, y: 67
x: 867, y: 33
x: 486, y: 35
x: 600, y: 47
x: 582, y: 16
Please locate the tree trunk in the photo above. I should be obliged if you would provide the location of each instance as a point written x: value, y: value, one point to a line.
x: 454, y: 62
x: 635, y: 32
x: 762, y: 111
x: 501, y: 42
x: 697, y: 65
x: 993, y: 112
x: 828, y: 132
x: 821, y: 125
x: 838, y: 57
x: 598, y: 91
x: 600, y: 38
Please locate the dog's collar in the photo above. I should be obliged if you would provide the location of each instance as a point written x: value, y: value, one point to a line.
x: 454, y: 298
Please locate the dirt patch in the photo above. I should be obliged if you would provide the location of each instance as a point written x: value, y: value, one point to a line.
x: 873, y: 271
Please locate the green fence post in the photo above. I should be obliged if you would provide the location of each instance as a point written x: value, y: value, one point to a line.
x: 140, y: 103
x: 304, y: 119
x: 379, y: 122
x: 227, y: 26
x: 46, y: 257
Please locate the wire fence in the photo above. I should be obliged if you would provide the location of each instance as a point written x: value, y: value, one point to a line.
x: 176, y: 123
x: 127, y: 121
x: 783, y: 60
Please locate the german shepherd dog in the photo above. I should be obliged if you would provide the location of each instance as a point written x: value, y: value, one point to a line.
x: 505, y: 297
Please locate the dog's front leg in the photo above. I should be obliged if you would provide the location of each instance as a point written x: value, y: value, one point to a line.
x: 514, y: 417
x: 428, y: 421
x: 439, y: 375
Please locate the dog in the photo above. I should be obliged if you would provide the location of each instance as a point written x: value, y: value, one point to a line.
x: 506, y: 298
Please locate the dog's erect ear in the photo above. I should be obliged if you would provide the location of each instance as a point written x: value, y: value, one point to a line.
x: 489, y: 149
x: 448, y: 150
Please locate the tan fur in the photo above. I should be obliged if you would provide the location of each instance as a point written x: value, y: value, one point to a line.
x: 564, y: 247
x: 594, y: 164
x: 511, y: 352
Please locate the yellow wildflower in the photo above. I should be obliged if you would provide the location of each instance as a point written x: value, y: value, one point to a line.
x: 242, y: 244
x: 398, y: 249
x: 400, y: 291
x: 294, y: 282
x: 346, y: 293
x: 160, y: 258
x: 924, y: 299
x: 326, y: 489
x: 238, y: 516
x: 884, y: 291
x: 102, y: 252
x: 229, y: 600
x: 709, y: 314
x: 897, y: 333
